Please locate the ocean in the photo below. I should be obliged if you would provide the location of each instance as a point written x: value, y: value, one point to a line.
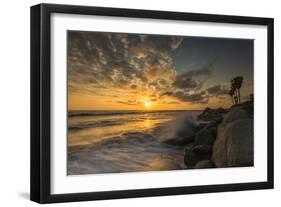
x: 126, y: 141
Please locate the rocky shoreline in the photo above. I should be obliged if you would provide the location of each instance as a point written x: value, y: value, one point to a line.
x: 224, y: 138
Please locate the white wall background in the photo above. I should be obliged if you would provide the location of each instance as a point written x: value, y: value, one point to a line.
x: 14, y: 104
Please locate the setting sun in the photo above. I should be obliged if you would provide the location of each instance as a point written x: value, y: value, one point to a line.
x: 147, y: 104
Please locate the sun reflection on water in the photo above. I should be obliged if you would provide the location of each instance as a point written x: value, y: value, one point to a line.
x: 147, y: 123
x: 132, y: 123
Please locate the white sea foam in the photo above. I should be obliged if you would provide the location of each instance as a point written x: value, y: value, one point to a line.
x: 182, y: 125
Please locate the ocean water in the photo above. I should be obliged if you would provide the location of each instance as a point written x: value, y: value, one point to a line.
x: 126, y: 141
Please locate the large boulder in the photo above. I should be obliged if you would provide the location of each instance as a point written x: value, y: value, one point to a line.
x: 203, y: 149
x: 206, y: 136
x: 240, y: 145
x: 180, y: 140
x: 204, y: 164
x: 203, y: 152
x: 219, y: 147
x: 190, y: 158
x: 234, y: 144
x: 235, y: 114
x: 200, y: 126
x: 194, y: 154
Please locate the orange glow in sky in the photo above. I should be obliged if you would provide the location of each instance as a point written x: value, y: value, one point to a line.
x: 118, y: 71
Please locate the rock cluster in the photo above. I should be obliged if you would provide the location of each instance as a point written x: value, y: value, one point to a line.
x: 223, y: 139
x: 215, y: 115
x: 198, y: 155
x: 234, y: 143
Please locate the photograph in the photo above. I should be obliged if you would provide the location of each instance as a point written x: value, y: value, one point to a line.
x: 154, y: 102
x: 133, y: 103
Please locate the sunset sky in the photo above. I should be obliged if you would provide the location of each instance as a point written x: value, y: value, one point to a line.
x: 117, y: 71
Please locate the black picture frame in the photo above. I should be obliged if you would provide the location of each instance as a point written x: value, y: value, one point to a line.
x: 41, y: 98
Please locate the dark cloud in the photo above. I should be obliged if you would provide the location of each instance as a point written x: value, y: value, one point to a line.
x: 195, y: 97
x: 199, y: 97
x: 133, y: 86
x: 217, y: 90
x: 184, y: 81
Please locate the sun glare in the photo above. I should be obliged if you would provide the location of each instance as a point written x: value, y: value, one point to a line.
x: 147, y: 104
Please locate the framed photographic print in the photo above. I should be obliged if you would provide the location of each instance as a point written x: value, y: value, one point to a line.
x: 133, y: 103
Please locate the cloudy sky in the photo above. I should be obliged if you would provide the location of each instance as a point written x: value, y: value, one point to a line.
x: 117, y: 71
